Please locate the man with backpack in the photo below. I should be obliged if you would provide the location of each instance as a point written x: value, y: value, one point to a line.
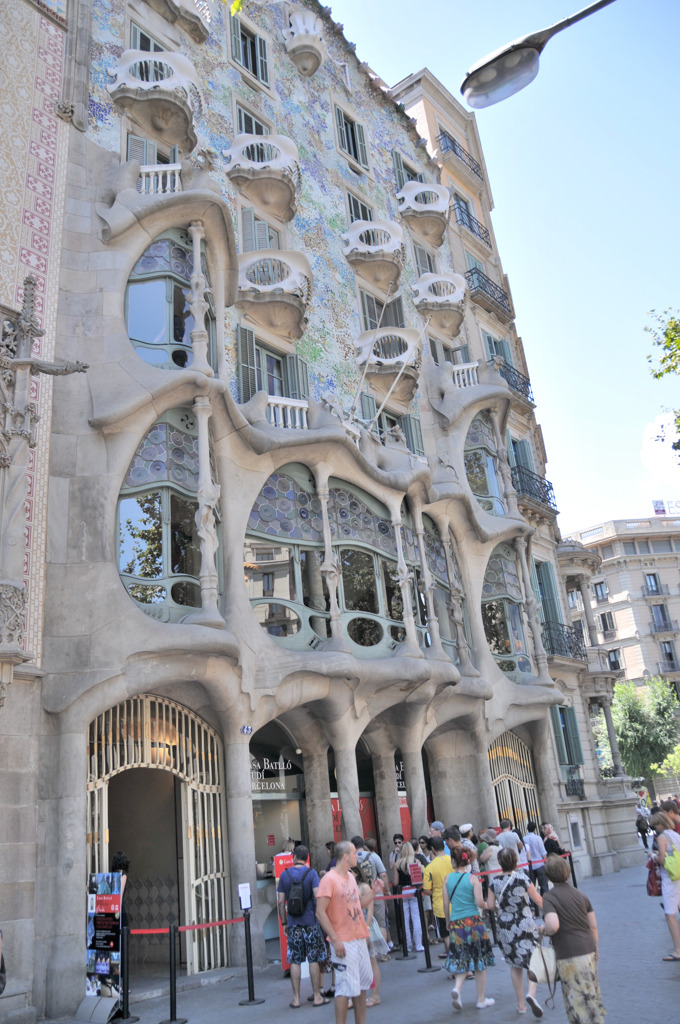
x: 296, y: 898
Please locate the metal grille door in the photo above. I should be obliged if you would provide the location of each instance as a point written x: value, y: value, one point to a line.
x: 514, y: 780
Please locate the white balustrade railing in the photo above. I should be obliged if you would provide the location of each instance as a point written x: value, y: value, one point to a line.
x: 159, y: 179
x: 272, y: 271
x: 163, y: 73
x: 373, y: 236
x: 464, y: 375
x: 439, y: 289
x: 257, y: 152
x: 389, y: 346
x: 419, y: 196
x: 288, y: 412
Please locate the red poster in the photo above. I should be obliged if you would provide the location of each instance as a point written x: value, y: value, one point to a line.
x: 405, y: 815
x: 416, y: 873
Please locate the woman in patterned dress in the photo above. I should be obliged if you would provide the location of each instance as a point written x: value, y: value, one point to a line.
x: 509, y: 895
x: 469, y: 943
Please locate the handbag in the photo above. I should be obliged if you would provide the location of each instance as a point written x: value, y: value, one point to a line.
x: 672, y: 865
x: 653, y: 878
x: 543, y: 970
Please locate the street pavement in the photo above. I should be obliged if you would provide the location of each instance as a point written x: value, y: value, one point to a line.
x: 636, y: 984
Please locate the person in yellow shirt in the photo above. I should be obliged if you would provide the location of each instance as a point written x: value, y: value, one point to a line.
x: 433, y: 879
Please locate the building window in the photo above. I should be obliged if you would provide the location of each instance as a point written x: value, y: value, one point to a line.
x: 358, y: 210
x: 256, y: 233
x: 519, y: 453
x: 159, y: 556
x: 652, y: 584
x: 150, y: 153
x: 545, y: 591
x: 472, y: 262
x: 249, y: 50
x: 404, y: 172
x: 497, y: 347
x: 606, y: 621
x: 157, y: 306
x: 660, y: 616
x: 373, y: 309
x: 262, y: 369
x: 629, y: 547
x: 661, y: 546
x: 481, y: 465
x: 351, y: 138
x: 441, y: 353
x: 248, y: 124
x: 575, y: 599
x: 607, y: 551
x: 643, y: 547
x: 615, y: 660
x: 424, y: 260
x: 566, y: 733
x: 141, y: 40
x: 600, y: 591
x: 502, y: 606
x: 668, y: 659
x: 387, y: 425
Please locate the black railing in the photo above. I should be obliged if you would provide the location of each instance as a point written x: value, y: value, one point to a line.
x: 667, y: 666
x: 479, y: 282
x: 465, y: 218
x: 564, y: 641
x: 575, y: 787
x: 530, y: 484
x: 658, y: 591
x: 517, y: 381
x: 447, y: 144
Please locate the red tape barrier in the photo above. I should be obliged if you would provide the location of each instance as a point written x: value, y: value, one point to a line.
x: 185, y: 927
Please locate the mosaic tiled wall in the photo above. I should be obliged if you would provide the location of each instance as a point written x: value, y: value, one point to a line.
x: 302, y: 109
x: 32, y: 170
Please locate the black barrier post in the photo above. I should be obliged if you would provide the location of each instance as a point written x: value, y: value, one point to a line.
x: 401, y: 921
x: 426, y: 941
x: 173, y: 1018
x: 571, y: 865
x: 251, y: 1000
x: 125, y: 976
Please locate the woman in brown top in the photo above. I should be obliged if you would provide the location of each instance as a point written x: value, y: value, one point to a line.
x: 570, y: 919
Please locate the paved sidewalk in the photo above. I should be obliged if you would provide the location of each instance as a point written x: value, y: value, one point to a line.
x: 637, y: 986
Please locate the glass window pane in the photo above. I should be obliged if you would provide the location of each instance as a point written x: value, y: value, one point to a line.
x: 359, y: 581
x: 395, y: 602
x: 140, y: 551
x: 496, y: 627
x: 182, y: 320
x: 365, y: 632
x: 475, y: 469
x: 277, y: 619
x: 270, y: 576
x: 515, y: 621
x: 314, y: 589
x: 185, y: 549
x: 274, y: 375
x: 147, y: 312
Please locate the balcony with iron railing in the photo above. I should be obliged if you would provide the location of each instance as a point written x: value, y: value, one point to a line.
x: 664, y: 626
x: 266, y: 170
x: 440, y: 299
x: 670, y: 665
x: 609, y: 634
x: 274, y: 290
x: 488, y: 294
x: 574, y: 785
x: 563, y: 641
x: 474, y: 226
x: 530, y: 485
x: 454, y: 153
x: 162, y: 94
x: 660, y: 590
x: 375, y: 250
x: 517, y: 382
x: 425, y: 208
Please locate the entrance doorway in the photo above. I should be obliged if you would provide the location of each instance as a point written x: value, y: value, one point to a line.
x: 156, y: 790
x: 514, y: 780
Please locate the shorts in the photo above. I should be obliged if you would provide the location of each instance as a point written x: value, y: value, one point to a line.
x: 442, y: 930
x: 379, y: 913
x: 306, y: 942
x: 358, y: 974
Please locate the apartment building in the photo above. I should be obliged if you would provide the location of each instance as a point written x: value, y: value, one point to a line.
x: 279, y: 556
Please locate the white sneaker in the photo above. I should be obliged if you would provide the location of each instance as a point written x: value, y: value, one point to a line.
x: 456, y: 1000
x: 487, y: 1002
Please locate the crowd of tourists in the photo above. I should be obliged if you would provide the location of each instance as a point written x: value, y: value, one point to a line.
x: 662, y: 822
x: 472, y: 887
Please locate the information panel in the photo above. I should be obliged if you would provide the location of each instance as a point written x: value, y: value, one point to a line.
x: 103, y: 935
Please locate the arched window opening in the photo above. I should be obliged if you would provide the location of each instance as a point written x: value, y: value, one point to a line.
x: 481, y: 465
x: 159, y: 554
x: 157, y: 303
x: 502, y: 611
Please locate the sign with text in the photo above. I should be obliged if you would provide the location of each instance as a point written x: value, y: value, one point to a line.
x: 104, y: 902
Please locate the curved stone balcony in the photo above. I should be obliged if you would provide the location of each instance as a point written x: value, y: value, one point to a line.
x: 304, y: 41
x: 274, y: 288
x: 375, y: 250
x: 162, y: 93
x: 393, y: 355
x: 265, y: 168
x: 191, y: 15
x: 425, y: 208
x: 441, y: 299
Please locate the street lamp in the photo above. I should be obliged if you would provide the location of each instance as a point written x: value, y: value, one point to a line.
x: 506, y: 71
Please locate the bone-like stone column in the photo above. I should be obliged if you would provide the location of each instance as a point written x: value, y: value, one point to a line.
x: 318, y: 803
x: 199, y: 305
x: 241, y: 839
x: 545, y: 774
x: 330, y: 568
x: 530, y: 607
x: 347, y: 779
x: 386, y: 796
x: 405, y: 577
x: 427, y: 579
x: 416, y: 793
x: 509, y: 493
x: 208, y: 496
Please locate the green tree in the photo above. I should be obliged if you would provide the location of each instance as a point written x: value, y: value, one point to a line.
x: 665, y: 334
x: 645, y: 724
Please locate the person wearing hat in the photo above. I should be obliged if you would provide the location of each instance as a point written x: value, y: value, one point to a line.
x: 466, y: 833
x: 436, y: 828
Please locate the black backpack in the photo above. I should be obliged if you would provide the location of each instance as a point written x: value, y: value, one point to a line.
x: 296, y: 901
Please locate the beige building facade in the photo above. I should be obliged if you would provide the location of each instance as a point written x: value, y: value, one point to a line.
x: 279, y: 557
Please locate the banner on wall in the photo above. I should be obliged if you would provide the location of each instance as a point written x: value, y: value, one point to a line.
x: 103, y: 935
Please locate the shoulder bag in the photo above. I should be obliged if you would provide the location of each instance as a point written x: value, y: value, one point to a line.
x: 653, y: 878
x: 543, y: 970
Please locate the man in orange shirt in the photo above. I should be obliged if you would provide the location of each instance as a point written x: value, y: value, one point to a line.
x: 338, y: 911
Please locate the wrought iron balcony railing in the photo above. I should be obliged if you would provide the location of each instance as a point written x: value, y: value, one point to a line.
x: 531, y: 485
x: 609, y: 634
x: 465, y: 218
x: 667, y: 626
x: 575, y: 787
x: 517, y: 381
x: 479, y: 282
x: 659, y: 591
x: 671, y: 665
x: 564, y: 641
x: 447, y: 144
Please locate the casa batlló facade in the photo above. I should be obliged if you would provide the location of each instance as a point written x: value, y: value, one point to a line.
x: 279, y: 557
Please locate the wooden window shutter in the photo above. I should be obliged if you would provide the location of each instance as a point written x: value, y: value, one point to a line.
x: 247, y: 364
x: 248, y: 229
x: 297, y: 374
x: 362, y: 150
x: 141, y: 149
x: 558, y: 733
x: 573, y: 737
x: 399, y: 171
x: 424, y: 263
x: 236, y: 51
x: 394, y: 314
x: 368, y: 407
x: 412, y: 432
x: 262, y: 61
x: 342, y: 130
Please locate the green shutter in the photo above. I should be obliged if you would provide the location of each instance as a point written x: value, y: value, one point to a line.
x: 368, y: 407
x: 342, y: 131
x: 370, y: 309
x: 523, y: 454
x: 536, y: 587
x: 423, y: 260
x: 394, y: 314
x: 434, y: 350
x: 399, y: 171
x: 247, y: 229
x: 558, y: 733
x: 505, y: 351
x: 413, y: 434
x: 247, y: 365
x: 236, y: 52
x: 297, y: 376
x: 551, y: 600
x: 262, y: 61
x: 361, y: 144
x: 464, y: 353
x: 573, y: 738
x: 141, y: 149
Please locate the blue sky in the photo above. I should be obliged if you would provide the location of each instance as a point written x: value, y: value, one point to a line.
x: 584, y: 173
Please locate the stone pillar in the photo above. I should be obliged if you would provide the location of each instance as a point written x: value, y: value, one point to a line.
x: 330, y: 568
x: 318, y: 805
x: 427, y: 580
x: 485, y: 792
x: 347, y: 779
x: 240, y: 842
x: 546, y: 775
x: 386, y: 798
x: 509, y: 493
x: 588, y: 610
x: 208, y: 496
x: 605, y: 702
x: 405, y: 577
x: 414, y: 777
x: 531, y: 609
x: 199, y: 305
